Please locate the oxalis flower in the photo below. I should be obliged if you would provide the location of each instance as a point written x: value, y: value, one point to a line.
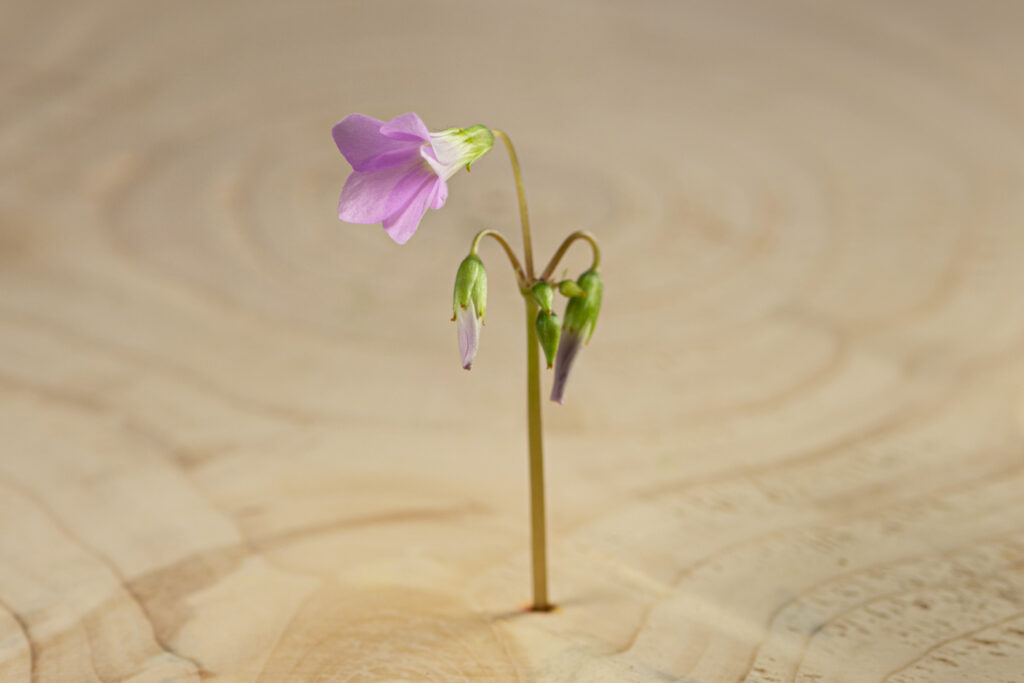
x: 400, y: 168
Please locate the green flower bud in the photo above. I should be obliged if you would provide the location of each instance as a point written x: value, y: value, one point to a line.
x: 580, y: 318
x: 568, y: 288
x: 470, y: 286
x: 544, y: 296
x: 462, y: 146
x: 469, y: 303
x: 549, y: 329
x: 581, y: 312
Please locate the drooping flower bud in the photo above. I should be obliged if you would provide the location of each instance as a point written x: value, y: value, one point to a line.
x: 568, y: 288
x: 469, y: 303
x: 549, y: 329
x: 544, y: 296
x: 458, y: 147
x: 580, y: 319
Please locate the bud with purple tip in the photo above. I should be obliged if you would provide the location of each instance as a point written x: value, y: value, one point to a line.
x: 469, y: 303
x: 580, y: 318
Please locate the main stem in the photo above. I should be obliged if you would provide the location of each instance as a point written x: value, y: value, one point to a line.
x: 538, y: 532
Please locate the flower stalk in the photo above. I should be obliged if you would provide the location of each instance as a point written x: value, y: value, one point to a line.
x: 564, y: 247
x: 512, y: 258
x: 536, y: 290
x: 538, y: 519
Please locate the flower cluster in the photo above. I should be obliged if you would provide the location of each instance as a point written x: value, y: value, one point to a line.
x: 399, y: 169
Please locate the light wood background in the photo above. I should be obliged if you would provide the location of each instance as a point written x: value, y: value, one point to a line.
x: 236, y: 440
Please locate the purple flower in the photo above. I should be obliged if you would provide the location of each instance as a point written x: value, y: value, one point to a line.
x: 400, y: 168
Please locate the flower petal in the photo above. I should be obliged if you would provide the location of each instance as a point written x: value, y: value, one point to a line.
x: 409, y: 127
x: 417, y: 188
x: 364, y: 199
x: 360, y: 141
x: 568, y: 347
x: 415, y: 182
x: 439, y: 195
x: 445, y: 171
x: 446, y: 151
x: 468, y: 324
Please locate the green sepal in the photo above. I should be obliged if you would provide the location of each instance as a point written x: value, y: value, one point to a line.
x: 549, y: 331
x: 581, y: 312
x: 470, y: 285
x: 467, y: 144
x: 568, y: 288
x: 544, y: 296
x: 480, y: 293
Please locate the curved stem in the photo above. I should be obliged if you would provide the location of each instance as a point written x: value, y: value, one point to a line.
x: 521, y: 193
x: 564, y: 247
x: 513, y: 259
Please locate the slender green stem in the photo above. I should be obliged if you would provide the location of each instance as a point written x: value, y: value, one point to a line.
x: 500, y: 239
x: 524, y: 217
x: 564, y: 247
x: 538, y: 532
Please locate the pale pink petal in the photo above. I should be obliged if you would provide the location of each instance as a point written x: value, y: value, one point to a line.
x: 446, y: 171
x: 402, y: 222
x: 412, y: 184
x: 396, y: 157
x: 445, y: 151
x: 439, y: 195
x: 364, y: 199
x: 408, y: 127
x: 361, y: 142
x: 468, y: 325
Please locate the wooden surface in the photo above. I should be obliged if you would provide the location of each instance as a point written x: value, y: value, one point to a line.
x: 236, y: 440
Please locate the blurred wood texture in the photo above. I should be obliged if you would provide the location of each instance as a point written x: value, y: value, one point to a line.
x: 236, y: 440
